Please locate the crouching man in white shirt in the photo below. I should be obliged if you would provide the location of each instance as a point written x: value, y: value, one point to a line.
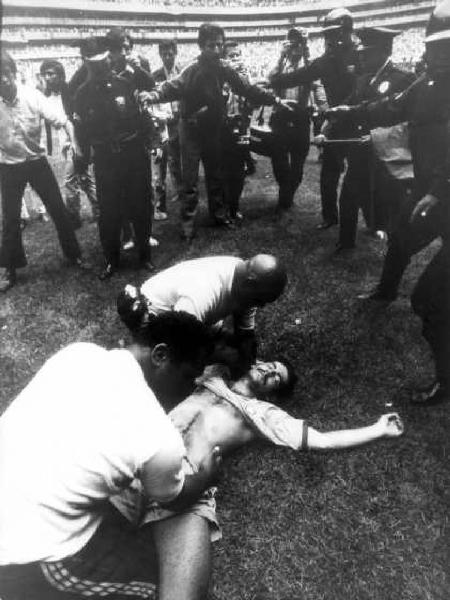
x: 69, y: 442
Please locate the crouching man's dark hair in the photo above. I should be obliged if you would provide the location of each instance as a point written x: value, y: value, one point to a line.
x: 188, y: 338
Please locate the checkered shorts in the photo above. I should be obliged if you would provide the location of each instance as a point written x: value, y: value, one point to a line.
x: 118, y: 561
x: 59, y: 577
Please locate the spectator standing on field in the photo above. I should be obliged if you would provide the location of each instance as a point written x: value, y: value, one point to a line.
x: 77, y: 176
x: 170, y: 150
x: 22, y: 161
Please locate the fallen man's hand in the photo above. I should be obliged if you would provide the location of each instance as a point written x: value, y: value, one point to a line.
x: 391, y: 424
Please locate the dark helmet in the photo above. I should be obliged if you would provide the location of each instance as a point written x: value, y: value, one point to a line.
x: 438, y: 27
x: 338, y: 18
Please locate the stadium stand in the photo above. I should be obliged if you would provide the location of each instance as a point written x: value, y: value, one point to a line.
x: 51, y: 29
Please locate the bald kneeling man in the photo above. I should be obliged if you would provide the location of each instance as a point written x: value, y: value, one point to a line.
x: 217, y: 418
x: 211, y: 289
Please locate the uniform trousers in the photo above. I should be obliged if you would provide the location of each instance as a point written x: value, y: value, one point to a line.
x: 430, y: 300
x: 403, y: 243
x: 333, y: 164
x: 13, y: 179
x: 288, y: 162
x: 356, y: 193
x: 122, y: 176
x: 201, y: 144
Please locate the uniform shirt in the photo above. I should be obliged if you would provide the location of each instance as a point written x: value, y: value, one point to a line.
x: 370, y: 87
x: 200, y: 86
x: 201, y: 287
x: 426, y: 108
x: 79, y: 433
x: 21, y: 125
x: 106, y: 111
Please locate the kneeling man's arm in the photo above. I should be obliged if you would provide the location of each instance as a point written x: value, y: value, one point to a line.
x: 173, y: 481
x: 387, y: 426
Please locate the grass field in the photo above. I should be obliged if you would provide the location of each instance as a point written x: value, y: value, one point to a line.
x: 371, y: 523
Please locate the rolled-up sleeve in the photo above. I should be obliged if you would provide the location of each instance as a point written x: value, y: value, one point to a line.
x: 163, y: 475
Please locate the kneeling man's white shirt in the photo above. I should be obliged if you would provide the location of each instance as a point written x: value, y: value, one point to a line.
x: 77, y: 434
x: 202, y: 287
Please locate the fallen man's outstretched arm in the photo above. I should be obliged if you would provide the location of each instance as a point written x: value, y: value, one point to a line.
x: 388, y: 425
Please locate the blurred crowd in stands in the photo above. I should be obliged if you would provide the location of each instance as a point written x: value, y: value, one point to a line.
x: 229, y: 3
x: 258, y: 56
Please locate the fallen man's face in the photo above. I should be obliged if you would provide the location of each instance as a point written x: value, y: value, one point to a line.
x: 267, y: 377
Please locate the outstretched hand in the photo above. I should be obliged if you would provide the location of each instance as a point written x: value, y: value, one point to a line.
x: 391, y: 425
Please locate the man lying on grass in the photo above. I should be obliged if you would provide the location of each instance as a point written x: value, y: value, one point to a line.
x: 218, y: 417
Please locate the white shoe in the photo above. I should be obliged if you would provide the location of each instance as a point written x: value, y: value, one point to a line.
x: 128, y: 245
x: 159, y: 215
x: 153, y: 242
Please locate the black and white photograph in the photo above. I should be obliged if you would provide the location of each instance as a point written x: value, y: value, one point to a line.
x: 225, y: 299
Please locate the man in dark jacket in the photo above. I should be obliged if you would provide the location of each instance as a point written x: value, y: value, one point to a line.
x: 202, y: 112
x: 293, y: 136
x: 426, y: 107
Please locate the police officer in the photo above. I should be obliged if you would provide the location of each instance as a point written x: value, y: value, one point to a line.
x: 106, y: 115
x: 202, y: 112
x: 377, y: 77
x: 426, y: 107
x: 336, y: 70
x: 293, y: 134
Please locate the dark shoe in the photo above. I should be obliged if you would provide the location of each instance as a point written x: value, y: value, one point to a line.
x: 326, y: 224
x: 439, y: 393
x: 7, y: 281
x: 250, y: 169
x: 342, y: 247
x: 147, y: 265
x: 107, y: 272
x: 376, y: 296
x: 226, y: 223
x: 237, y: 218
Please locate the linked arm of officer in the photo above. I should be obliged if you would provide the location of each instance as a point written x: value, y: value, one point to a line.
x: 387, y: 111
